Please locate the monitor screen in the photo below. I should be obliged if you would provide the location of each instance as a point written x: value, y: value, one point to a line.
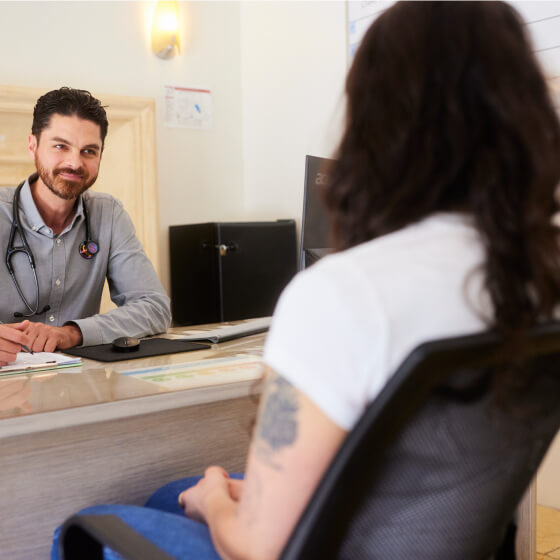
x: 314, y: 223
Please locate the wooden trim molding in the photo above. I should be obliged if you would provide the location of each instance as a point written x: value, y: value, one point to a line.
x: 527, y: 525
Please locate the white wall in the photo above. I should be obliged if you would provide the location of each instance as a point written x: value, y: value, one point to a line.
x: 104, y: 47
x: 293, y: 66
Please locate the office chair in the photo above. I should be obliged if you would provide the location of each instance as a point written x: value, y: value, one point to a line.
x: 434, y: 469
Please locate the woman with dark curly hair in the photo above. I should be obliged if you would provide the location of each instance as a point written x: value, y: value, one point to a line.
x: 442, y: 203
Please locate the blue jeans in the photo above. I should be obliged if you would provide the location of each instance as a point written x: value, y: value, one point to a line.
x: 163, y: 522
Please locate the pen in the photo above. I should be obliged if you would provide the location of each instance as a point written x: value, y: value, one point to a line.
x: 23, y: 345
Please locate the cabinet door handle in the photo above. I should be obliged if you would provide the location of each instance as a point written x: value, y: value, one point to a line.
x: 223, y: 248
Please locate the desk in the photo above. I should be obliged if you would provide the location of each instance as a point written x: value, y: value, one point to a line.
x: 94, y: 435
x: 91, y: 435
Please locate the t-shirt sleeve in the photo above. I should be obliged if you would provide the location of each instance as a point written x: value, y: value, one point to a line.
x: 328, y: 339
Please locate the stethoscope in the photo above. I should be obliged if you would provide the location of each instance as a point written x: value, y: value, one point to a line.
x: 88, y: 249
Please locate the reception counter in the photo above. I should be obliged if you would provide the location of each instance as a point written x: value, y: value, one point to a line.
x: 114, y: 432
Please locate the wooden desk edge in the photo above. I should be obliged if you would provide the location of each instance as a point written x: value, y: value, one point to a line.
x: 125, y: 408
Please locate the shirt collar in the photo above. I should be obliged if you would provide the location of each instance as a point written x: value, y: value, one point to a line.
x: 31, y: 214
x: 79, y: 213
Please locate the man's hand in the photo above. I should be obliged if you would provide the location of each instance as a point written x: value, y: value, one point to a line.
x: 45, y: 338
x: 11, y: 340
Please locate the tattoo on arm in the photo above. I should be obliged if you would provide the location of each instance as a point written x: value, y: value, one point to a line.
x: 278, y: 425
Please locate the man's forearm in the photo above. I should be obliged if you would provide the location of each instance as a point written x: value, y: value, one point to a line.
x: 146, y: 316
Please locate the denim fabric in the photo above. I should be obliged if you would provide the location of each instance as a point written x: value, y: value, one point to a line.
x: 161, y: 521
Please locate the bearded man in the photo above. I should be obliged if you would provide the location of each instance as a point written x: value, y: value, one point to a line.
x: 63, y: 241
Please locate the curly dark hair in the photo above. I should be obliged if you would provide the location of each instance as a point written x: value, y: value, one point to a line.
x: 69, y: 101
x: 448, y: 110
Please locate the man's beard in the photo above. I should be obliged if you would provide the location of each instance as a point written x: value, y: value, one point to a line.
x: 62, y: 188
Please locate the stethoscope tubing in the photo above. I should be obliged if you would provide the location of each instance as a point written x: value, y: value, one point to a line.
x: 87, y: 249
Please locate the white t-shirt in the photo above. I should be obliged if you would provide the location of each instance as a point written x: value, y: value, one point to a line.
x: 343, y: 326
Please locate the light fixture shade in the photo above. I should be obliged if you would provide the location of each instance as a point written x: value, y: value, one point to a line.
x: 165, y: 29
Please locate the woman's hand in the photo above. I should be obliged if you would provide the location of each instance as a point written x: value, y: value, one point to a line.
x: 216, y: 482
x: 235, y: 488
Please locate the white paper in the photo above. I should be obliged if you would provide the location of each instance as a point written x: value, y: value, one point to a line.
x: 187, y: 107
x: 39, y: 361
x: 200, y: 373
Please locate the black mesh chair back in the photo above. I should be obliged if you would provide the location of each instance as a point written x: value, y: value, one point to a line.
x: 433, y: 470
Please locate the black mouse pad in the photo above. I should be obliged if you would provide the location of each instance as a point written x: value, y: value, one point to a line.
x: 148, y: 347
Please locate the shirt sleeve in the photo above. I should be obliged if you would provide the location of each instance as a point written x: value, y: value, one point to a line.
x: 143, y: 306
x: 328, y: 339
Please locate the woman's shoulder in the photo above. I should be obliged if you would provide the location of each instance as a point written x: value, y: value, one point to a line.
x: 437, y: 234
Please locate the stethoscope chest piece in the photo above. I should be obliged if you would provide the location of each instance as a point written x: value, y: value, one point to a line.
x: 88, y: 249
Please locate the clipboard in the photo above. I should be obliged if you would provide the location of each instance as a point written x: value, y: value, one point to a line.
x: 38, y: 361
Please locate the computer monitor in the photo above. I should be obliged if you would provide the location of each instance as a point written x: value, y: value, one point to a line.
x: 314, y: 223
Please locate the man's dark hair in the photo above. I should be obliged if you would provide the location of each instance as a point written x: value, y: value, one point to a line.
x: 68, y: 101
x: 448, y: 110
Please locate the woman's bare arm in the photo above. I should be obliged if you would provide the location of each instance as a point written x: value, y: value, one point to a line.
x: 293, y: 443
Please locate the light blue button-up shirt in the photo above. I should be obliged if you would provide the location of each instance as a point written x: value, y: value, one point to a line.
x: 72, y: 285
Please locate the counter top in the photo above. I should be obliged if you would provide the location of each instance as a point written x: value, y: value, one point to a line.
x: 95, y: 391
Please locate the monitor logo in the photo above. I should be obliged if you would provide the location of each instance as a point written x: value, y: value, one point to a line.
x: 321, y: 179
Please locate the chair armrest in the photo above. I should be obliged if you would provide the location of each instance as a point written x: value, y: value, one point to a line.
x: 82, y: 537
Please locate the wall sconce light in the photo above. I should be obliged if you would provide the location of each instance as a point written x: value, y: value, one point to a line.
x: 165, y: 29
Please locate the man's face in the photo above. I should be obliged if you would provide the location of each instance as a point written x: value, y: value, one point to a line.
x: 67, y: 155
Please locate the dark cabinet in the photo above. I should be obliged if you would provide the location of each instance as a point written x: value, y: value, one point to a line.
x: 229, y: 271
